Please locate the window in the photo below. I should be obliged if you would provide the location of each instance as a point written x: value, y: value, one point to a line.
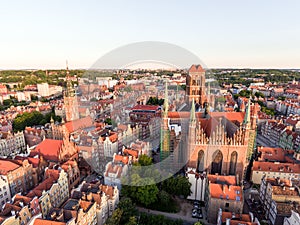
x: 227, y: 205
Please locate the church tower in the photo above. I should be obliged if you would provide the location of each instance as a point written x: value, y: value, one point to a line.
x: 164, y: 132
x: 70, y: 100
x: 195, y: 85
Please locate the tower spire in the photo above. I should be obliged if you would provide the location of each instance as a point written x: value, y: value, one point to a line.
x: 247, y: 119
x: 193, y: 112
x: 166, y: 101
x: 67, y: 70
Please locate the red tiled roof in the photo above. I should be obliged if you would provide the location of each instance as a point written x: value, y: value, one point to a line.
x: 146, y: 107
x: 33, y: 161
x: 229, y: 180
x: 7, y: 166
x: 238, y: 217
x: 22, y: 198
x: 269, y: 153
x: 226, y: 192
x: 232, y: 116
x: 79, y: 124
x: 196, y: 68
x: 52, y: 173
x: 115, y: 169
x: 121, y: 158
x: 44, y: 186
x: 132, y: 152
x: 47, y: 222
x: 49, y: 149
x: 276, y: 167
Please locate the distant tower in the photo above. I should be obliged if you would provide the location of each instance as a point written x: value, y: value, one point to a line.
x: 165, y: 133
x: 70, y: 100
x: 195, y: 85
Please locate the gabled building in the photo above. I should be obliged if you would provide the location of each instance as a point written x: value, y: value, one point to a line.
x: 223, y: 193
x: 231, y: 218
x: 5, y: 195
x: 106, y: 198
x: 56, y: 150
x: 12, y: 143
x: 20, y: 175
x: 279, y: 197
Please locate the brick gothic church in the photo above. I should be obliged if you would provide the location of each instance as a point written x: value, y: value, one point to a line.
x: 210, y: 142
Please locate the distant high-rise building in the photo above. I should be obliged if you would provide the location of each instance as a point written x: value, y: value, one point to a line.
x: 43, y: 89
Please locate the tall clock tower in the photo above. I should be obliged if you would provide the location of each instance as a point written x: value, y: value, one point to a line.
x: 70, y: 100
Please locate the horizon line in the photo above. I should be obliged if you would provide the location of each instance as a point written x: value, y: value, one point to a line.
x: 218, y: 68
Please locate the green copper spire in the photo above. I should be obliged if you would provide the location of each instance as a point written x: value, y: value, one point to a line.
x: 166, y: 101
x: 247, y: 115
x: 193, y: 112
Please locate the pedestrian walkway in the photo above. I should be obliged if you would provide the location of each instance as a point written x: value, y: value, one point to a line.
x: 188, y: 219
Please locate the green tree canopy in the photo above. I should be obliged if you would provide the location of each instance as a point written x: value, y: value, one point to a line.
x: 128, y: 208
x: 32, y: 119
x: 115, y: 217
x: 178, y: 185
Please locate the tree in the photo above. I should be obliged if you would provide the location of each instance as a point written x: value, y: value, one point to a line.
x: 8, y: 102
x: 132, y: 221
x: 108, y: 121
x: 199, y: 223
x: 259, y: 94
x: 178, y: 185
x: 128, y: 208
x: 245, y: 93
x: 155, y: 101
x: 147, y: 194
x: 115, y: 217
x: 164, y: 197
x: 31, y: 119
x: 141, y: 190
x: 145, y: 160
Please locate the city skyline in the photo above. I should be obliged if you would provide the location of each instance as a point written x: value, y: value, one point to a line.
x: 227, y: 34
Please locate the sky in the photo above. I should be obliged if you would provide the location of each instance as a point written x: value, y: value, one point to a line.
x: 223, y: 34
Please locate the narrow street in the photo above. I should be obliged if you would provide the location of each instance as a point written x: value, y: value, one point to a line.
x: 187, y: 220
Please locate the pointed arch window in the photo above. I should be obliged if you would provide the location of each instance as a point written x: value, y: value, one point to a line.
x: 216, y: 165
x: 200, y: 161
x: 233, y: 161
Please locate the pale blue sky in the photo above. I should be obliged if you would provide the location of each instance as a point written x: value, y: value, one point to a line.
x: 43, y: 34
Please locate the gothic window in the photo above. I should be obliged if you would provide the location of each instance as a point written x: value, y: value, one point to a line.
x: 193, y: 92
x: 233, y: 160
x: 216, y: 164
x: 193, y: 82
x: 200, y: 162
